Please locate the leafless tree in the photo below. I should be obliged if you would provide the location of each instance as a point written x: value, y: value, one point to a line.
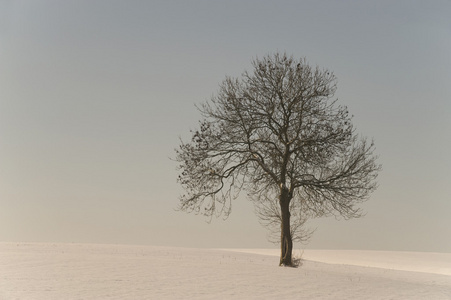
x: 277, y: 134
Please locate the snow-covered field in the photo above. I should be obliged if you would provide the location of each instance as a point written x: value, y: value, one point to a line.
x: 86, y: 271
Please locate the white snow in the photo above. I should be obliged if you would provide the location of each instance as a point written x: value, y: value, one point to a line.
x: 437, y: 263
x: 86, y: 271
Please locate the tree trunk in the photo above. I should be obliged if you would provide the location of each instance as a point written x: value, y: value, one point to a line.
x: 286, y: 242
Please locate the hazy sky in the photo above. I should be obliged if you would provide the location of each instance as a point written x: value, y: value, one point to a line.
x: 94, y: 96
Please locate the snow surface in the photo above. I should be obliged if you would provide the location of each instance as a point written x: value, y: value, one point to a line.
x: 437, y: 263
x: 86, y: 271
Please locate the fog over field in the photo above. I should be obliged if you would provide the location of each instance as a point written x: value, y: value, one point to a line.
x: 95, y: 96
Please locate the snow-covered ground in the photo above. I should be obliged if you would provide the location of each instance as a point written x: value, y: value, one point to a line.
x: 436, y: 263
x: 86, y: 271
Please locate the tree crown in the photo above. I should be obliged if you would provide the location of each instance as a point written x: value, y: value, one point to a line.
x: 277, y: 128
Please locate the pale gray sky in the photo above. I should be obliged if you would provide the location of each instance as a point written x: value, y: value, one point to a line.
x: 95, y: 94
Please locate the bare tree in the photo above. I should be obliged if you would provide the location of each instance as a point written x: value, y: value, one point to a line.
x: 277, y: 133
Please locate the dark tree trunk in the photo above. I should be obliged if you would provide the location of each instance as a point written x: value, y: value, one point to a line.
x: 286, y: 242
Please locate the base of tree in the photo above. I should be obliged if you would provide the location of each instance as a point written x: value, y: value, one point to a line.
x: 288, y: 265
x: 294, y: 264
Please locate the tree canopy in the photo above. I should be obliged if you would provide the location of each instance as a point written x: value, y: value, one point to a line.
x: 278, y: 134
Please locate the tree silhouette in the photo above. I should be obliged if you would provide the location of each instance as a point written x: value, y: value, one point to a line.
x: 277, y: 134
